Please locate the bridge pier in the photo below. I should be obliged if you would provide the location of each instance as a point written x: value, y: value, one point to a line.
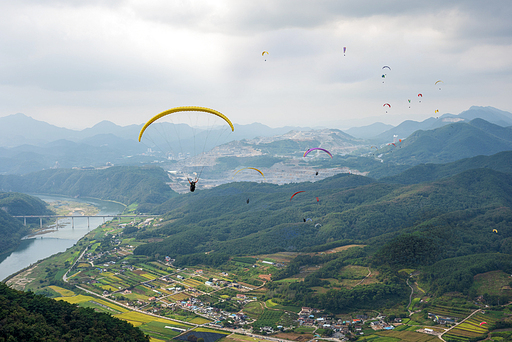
x: 72, y: 222
x: 24, y: 221
x: 88, y: 222
x: 41, y: 223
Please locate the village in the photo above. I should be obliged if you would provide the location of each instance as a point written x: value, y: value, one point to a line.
x: 231, y: 298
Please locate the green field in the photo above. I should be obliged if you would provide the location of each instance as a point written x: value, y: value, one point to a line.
x: 268, y: 318
x: 253, y: 309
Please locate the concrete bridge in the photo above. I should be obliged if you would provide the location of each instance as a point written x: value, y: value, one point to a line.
x: 57, y: 217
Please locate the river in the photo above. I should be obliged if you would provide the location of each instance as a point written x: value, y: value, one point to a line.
x: 32, y: 249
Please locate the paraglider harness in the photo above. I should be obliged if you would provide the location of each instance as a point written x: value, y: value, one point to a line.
x: 192, y: 184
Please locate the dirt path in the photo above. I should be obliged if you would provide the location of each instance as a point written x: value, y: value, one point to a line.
x: 410, y: 298
x: 369, y: 274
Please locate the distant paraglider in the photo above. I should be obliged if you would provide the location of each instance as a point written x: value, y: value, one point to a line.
x: 250, y: 168
x: 298, y: 192
x: 344, y: 50
x: 263, y: 54
x: 386, y: 104
x: 317, y: 148
x: 495, y: 231
x: 439, y: 82
x: 420, y: 95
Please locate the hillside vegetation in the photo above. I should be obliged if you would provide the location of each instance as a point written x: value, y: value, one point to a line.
x: 14, y: 204
x: 126, y: 184
x: 451, y: 228
x: 29, y: 317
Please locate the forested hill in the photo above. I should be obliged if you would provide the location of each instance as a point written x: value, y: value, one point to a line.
x: 450, y: 143
x: 126, y: 184
x: 15, y: 203
x: 29, y: 317
x: 460, y: 211
x: 429, y: 172
x: 11, y: 229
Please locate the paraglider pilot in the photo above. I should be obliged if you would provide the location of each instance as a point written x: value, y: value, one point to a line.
x: 192, y: 184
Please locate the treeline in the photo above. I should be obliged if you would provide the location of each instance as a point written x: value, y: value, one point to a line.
x: 126, y: 184
x: 25, y: 316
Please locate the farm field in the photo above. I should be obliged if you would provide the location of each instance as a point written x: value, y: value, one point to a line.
x: 493, y: 283
x: 406, y: 336
x: 95, y: 303
x: 477, y: 325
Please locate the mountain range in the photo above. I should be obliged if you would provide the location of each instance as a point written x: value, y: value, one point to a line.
x: 28, y: 145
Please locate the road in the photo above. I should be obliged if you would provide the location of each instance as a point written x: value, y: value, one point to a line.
x: 474, y: 312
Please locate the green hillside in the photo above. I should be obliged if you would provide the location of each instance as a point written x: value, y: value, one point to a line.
x: 11, y: 229
x: 455, y: 215
x: 143, y: 185
x: 16, y: 204
x: 429, y: 172
x: 29, y: 317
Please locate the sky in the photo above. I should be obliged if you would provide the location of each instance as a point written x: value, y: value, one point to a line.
x: 76, y: 63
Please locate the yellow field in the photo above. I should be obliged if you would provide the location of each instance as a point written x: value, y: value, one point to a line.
x: 61, y: 291
x: 109, y: 288
x: 210, y: 330
x: 180, y: 296
x: 112, y: 276
x: 200, y: 320
x: 82, y: 299
x: 137, y: 319
x: 84, y: 265
x: 192, y: 282
x: 76, y: 299
x: 148, y: 276
x: 270, y: 303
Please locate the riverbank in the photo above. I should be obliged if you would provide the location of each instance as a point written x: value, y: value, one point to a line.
x: 39, y: 244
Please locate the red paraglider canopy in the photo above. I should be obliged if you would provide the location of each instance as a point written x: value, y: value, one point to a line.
x: 298, y: 192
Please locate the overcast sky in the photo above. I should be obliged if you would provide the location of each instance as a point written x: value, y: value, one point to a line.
x: 76, y: 63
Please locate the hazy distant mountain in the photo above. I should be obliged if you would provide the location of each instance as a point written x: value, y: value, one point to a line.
x: 450, y: 143
x: 370, y: 131
x: 490, y: 114
x: 19, y: 129
x: 406, y: 128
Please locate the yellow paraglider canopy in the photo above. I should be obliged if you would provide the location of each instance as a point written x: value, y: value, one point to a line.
x: 495, y: 230
x: 185, y: 109
x: 252, y: 168
x: 264, y: 52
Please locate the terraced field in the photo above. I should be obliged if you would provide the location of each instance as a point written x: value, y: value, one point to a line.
x: 450, y: 311
x: 477, y: 325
